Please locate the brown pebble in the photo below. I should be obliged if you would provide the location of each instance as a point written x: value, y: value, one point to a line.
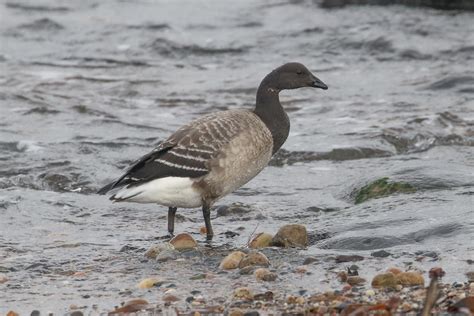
x: 232, y: 260
x: 3, y: 278
x: 470, y: 276
x: 263, y: 274
x: 342, y: 276
x: 12, y: 313
x: 293, y: 235
x: 384, y: 280
x: 236, y: 312
x: 131, y: 306
x: 243, y: 293
x: 203, y: 230
x: 465, y: 303
x: 295, y: 300
x: 261, y: 240
x: 355, y: 280
x: 394, y: 270
x: 170, y: 298
x: 301, y: 269
x: 410, y: 279
x: 254, y: 259
x: 183, y: 241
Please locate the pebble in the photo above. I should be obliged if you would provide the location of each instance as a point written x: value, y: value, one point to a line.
x: 170, y: 298
x: 409, y: 278
x: 148, y: 283
x: 350, y: 258
x: 3, y: 278
x: 236, y: 312
x: 384, y: 280
x: 131, y: 307
x: 243, y: 293
x: 262, y: 240
x: 232, y: 260
x: 470, y: 276
x: 254, y: 258
x: 292, y: 235
x: 310, y: 260
x: 394, y: 270
x: 298, y: 300
x: 12, y: 313
x: 342, y: 276
x: 154, y: 250
x: 183, y: 241
x: 355, y: 280
x: 381, y: 254
x: 167, y: 255
x: 370, y: 293
x: 263, y: 274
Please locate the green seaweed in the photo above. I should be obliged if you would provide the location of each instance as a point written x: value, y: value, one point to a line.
x: 382, y: 187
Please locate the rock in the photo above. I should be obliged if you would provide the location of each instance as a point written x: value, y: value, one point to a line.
x: 236, y: 312
x: 149, y: 283
x: 232, y: 260
x: 410, y: 279
x: 252, y: 313
x: 370, y: 293
x: 183, y: 241
x: 470, y: 276
x: 267, y: 296
x: 384, y: 280
x: 309, y: 260
x: 12, y: 313
x: 465, y: 303
x: 154, y: 250
x: 262, y: 240
x: 342, y: 276
x: 254, y: 258
x: 235, y: 209
x: 380, y: 188
x: 247, y: 270
x: 76, y: 313
x: 292, y: 235
x: 3, y: 278
x: 131, y: 306
x: 243, y: 293
x: 355, y: 280
x: 381, y: 254
x: 203, y: 230
x: 436, y: 4
x: 167, y: 255
x: 394, y: 270
x: 298, y: 300
x: 345, y: 258
x: 301, y: 269
x: 263, y: 274
x: 170, y: 298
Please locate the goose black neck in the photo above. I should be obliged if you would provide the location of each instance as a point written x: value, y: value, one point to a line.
x: 270, y: 111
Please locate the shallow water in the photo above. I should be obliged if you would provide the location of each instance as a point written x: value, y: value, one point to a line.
x: 87, y: 87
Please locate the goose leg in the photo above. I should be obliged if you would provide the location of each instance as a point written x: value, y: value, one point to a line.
x: 171, y: 215
x: 206, y: 212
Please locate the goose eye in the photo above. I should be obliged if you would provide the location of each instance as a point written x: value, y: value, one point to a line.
x: 299, y: 72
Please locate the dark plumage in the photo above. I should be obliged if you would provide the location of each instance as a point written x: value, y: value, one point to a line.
x: 215, y: 154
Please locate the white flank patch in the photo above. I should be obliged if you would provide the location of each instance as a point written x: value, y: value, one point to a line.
x: 169, y: 191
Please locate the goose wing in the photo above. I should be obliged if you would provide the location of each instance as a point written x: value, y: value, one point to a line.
x: 187, y: 152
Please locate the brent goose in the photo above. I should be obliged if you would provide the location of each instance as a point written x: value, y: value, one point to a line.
x: 214, y: 155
